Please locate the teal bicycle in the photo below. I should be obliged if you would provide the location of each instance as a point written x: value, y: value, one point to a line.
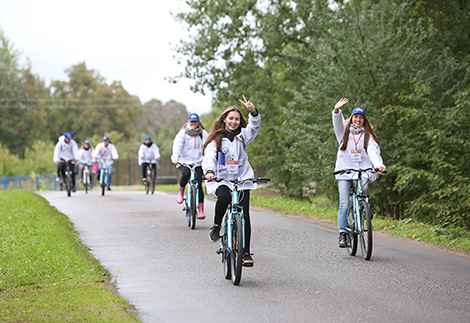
x: 359, y: 223
x: 103, y: 176
x: 232, y: 241
x: 191, y: 201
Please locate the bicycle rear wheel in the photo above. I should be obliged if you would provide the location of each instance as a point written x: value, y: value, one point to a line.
x: 352, y: 244
x: 153, y: 181
x: 236, y: 254
x: 69, y: 184
x: 193, y: 207
x: 366, y: 234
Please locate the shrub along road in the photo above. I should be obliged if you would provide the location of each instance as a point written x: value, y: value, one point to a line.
x: 171, y: 273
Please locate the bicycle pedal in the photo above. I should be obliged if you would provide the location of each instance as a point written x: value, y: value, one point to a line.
x: 248, y: 265
x: 219, y: 251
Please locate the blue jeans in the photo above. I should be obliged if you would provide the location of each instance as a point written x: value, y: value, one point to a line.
x: 110, y: 172
x: 344, y: 187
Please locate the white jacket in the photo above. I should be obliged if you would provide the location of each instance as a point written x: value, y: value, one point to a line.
x: 148, y: 154
x: 109, y: 154
x: 65, y: 151
x: 369, y: 159
x: 86, y: 156
x: 188, y: 149
x: 233, y: 151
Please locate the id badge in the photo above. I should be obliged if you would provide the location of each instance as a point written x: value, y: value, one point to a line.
x: 356, y: 156
x: 232, y: 166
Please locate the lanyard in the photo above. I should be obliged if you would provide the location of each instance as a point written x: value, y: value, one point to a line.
x: 356, y: 142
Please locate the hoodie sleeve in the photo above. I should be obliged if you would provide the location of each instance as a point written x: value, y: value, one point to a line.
x: 75, y: 150
x: 55, y: 157
x: 373, y: 151
x: 209, y: 161
x: 114, y: 152
x: 339, y: 125
x: 252, y: 129
x: 157, y: 151
x: 178, y: 145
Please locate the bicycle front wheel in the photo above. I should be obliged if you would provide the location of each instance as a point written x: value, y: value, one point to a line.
x: 153, y: 181
x: 236, y: 254
x: 193, y: 206
x: 352, y: 243
x: 69, y: 185
x: 366, y: 234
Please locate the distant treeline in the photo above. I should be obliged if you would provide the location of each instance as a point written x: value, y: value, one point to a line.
x: 33, y: 115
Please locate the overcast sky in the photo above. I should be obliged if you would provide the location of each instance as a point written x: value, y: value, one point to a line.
x: 127, y: 41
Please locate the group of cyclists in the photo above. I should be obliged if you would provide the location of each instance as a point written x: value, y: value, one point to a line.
x: 66, y: 152
x: 222, y: 153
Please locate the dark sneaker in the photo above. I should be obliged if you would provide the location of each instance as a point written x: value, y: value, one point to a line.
x: 144, y: 181
x: 109, y: 188
x: 247, y: 260
x: 214, y: 233
x: 343, y: 242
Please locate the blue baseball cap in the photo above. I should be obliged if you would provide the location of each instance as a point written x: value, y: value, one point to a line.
x: 86, y: 142
x: 359, y: 110
x: 193, y: 117
x: 68, y: 135
x: 105, y: 138
x: 148, y: 138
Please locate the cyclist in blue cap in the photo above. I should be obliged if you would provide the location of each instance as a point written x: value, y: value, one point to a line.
x: 105, y: 152
x: 66, y: 151
x: 149, y: 154
x: 359, y: 149
x: 85, y: 156
x: 187, y: 149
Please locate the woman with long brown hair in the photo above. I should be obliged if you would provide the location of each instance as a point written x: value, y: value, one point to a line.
x: 231, y: 135
x: 359, y: 149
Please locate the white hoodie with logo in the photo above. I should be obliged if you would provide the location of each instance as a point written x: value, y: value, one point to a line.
x: 148, y: 154
x: 369, y: 159
x: 65, y: 151
x: 234, y: 152
x: 188, y: 149
x: 108, y: 154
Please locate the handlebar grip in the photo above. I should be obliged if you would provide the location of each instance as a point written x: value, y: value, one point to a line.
x: 338, y: 172
x: 263, y: 179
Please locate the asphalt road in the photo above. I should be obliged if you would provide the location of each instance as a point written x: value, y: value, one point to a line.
x: 172, y: 274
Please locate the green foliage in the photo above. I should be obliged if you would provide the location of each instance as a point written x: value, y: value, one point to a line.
x: 9, y: 164
x: 405, y: 62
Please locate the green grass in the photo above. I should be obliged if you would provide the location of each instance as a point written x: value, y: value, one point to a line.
x: 320, y: 207
x: 46, y: 273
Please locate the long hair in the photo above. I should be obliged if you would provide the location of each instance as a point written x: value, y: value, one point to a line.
x: 368, y: 131
x: 219, y: 126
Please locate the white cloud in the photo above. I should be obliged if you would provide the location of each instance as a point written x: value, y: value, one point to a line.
x: 127, y: 41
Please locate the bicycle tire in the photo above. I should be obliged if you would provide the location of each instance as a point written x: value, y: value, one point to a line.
x: 352, y: 248
x: 103, y: 181
x: 193, y: 207
x: 236, y: 254
x: 69, y: 184
x: 153, y: 180
x: 226, y: 258
x: 366, y: 234
x: 147, y: 186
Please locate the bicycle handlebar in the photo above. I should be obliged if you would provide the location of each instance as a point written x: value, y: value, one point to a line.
x: 348, y: 171
x: 238, y: 182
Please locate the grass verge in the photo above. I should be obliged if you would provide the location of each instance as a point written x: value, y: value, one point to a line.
x: 320, y: 207
x: 46, y: 273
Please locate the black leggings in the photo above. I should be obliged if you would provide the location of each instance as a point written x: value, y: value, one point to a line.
x: 224, y: 198
x: 185, y: 176
x: 144, y: 170
x: 61, y: 170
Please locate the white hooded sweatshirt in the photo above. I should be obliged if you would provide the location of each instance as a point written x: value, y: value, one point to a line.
x: 65, y: 151
x: 234, y: 152
x: 108, y: 154
x: 344, y: 159
x: 148, y: 154
x: 188, y: 149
